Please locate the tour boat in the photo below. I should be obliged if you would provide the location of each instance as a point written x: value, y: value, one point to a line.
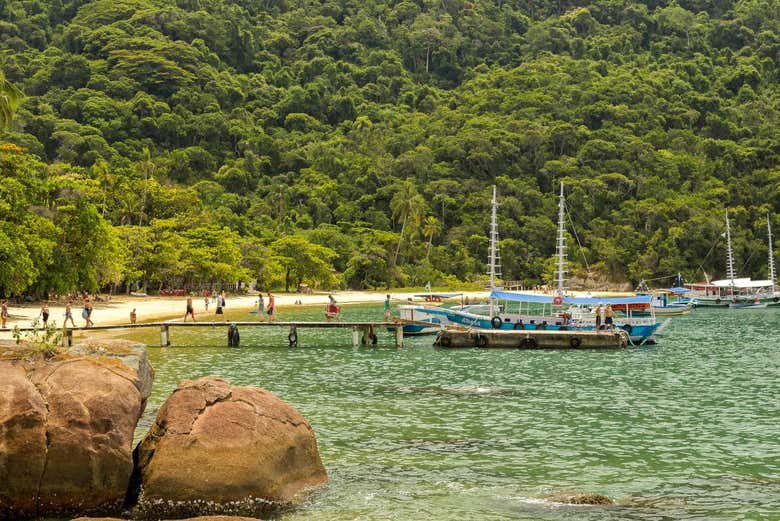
x: 733, y: 291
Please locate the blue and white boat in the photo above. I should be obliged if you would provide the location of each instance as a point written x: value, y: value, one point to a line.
x: 533, y: 311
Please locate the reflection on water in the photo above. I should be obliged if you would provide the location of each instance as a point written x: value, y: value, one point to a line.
x: 687, y: 429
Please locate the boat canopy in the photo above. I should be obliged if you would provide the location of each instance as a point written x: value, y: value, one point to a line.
x: 679, y: 289
x: 741, y: 283
x: 547, y: 299
x: 438, y: 295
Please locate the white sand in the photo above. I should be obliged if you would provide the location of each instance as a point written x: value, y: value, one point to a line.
x: 155, y: 308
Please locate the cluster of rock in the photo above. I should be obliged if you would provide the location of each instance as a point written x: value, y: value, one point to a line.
x: 66, y: 434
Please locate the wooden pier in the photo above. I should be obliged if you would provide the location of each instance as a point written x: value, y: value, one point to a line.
x: 364, y: 333
x: 532, y: 339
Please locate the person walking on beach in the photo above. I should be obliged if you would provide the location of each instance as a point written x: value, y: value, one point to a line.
x: 598, y: 318
x: 387, y: 308
x: 260, y: 305
x: 190, y: 310
x: 608, y: 317
x: 133, y: 316
x: 206, y: 302
x: 3, y: 313
x: 45, y: 315
x: 271, y: 307
x: 68, y: 314
x: 86, y: 314
x: 219, y: 305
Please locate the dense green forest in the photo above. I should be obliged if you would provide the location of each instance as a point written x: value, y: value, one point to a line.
x: 353, y: 143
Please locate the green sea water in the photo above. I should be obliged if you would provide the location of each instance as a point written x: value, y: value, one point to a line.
x: 686, y: 429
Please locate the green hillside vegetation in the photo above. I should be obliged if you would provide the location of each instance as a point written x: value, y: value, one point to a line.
x: 352, y: 143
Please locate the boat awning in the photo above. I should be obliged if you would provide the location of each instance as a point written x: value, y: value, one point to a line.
x: 679, y: 290
x: 546, y: 299
x: 741, y: 283
x: 438, y: 295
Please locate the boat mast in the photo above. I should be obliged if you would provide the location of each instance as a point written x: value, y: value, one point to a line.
x: 729, y: 255
x: 560, y: 249
x: 772, y: 274
x: 494, y: 259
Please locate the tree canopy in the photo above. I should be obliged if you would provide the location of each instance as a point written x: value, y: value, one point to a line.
x: 353, y: 143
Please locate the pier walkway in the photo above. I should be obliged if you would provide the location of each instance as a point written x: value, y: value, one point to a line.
x: 362, y: 332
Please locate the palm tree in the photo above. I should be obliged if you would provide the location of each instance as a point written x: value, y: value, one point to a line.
x: 407, y: 204
x: 147, y: 166
x: 431, y: 228
x: 10, y: 97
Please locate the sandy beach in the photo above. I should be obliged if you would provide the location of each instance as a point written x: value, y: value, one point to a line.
x: 147, y: 309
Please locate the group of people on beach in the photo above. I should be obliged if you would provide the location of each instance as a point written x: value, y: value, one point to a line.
x: 219, y: 300
x: 268, y: 310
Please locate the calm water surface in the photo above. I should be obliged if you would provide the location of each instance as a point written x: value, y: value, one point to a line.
x: 687, y: 429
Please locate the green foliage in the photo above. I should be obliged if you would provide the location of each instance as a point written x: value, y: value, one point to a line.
x: 185, y: 143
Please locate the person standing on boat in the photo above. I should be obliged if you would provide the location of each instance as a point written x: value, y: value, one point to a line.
x: 597, y: 311
x: 608, y: 317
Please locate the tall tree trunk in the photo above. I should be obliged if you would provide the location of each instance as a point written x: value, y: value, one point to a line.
x: 401, y: 238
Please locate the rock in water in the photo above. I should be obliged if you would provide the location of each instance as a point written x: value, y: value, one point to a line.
x: 579, y: 498
x: 219, y: 449
x: 66, y: 432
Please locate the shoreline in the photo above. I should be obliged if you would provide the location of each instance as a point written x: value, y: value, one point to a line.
x: 149, y: 309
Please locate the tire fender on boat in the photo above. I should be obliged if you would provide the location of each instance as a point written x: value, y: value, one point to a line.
x: 529, y: 343
x: 575, y: 342
x: 628, y: 328
x: 496, y: 322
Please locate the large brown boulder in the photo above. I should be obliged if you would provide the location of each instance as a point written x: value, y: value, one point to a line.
x: 219, y: 449
x: 66, y: 432
x: 202, y: 518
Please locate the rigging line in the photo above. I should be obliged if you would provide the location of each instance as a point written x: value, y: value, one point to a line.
x: 574, y: 231
x: 701, y: 267
x: 742, y: 270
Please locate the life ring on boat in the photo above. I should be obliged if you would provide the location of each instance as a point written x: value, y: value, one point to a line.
x: 575, y: 342
x: 518, y: 325
x: 628, y: 328
x: 529, y: 343
x: 775, y: 299
x: 496, y: 322
x: 557, y: 300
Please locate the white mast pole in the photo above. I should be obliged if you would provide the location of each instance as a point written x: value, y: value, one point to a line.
x: 560, y: 249
x: 729, y: 255
x: 772, y: 274
x: 493, y: 256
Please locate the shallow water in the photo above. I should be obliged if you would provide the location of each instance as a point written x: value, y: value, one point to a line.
x: 687, y: 429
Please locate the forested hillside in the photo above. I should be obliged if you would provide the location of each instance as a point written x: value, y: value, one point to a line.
x: 353, y: 143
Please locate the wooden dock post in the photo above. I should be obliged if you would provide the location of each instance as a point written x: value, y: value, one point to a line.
x: 354, y: 336
x: 292, y: 338
x: 165, y: 336
x: 67, y: 337
x: 399, y: 336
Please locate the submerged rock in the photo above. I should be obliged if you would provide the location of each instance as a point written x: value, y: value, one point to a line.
x: 219, y: 449
x: 579, y: 498
x: 66, y: 431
